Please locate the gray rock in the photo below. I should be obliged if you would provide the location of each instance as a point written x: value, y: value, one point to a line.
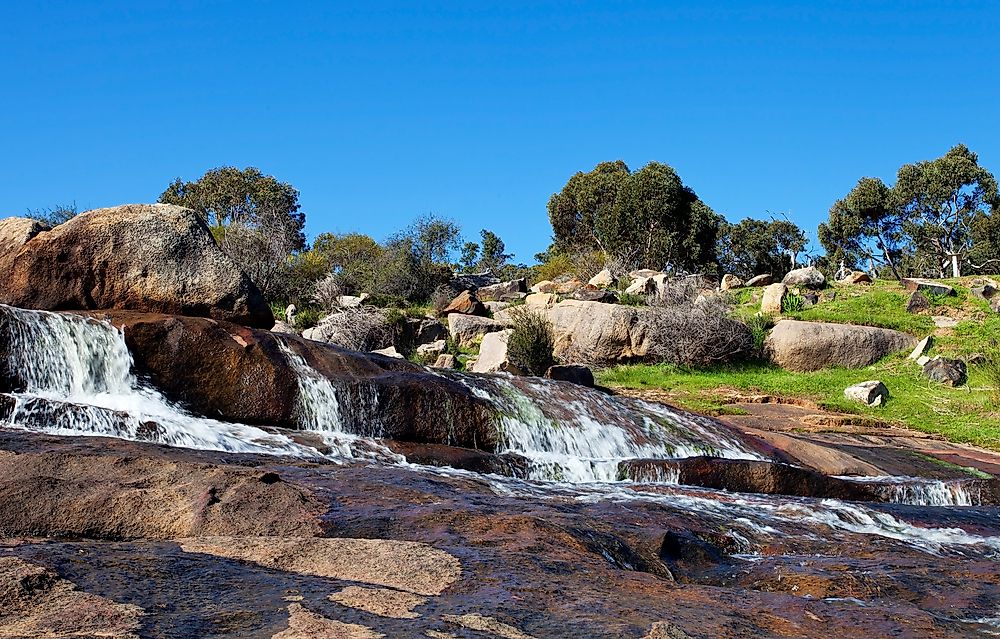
x: 922, y: 347
x: 926, y: 286
x: 995, y: 304
x: 759, y: 280
x: 389, y: 351
x: 943, y: 321
x: 730, y: 282
x: 641, y: 286
x: 856, y: 277
x: 774, y: 296
x: 467, y: 330
x: 574, y: 373
x: 984, y: 292
x: 809, y: 346
x: 950, y: 372
x: 545, y: 286
x: 643, y: 273
x: 156, y: 258
x: 540, y: 299
x: 595, y: 295
x: 283, y: 327
x: 497, y: 292
x: 918, y: 302
x: 433, y: 349
x: 472, y: 281
x: 496, y: 307
x: 808, y: 277
x: 870, y: 393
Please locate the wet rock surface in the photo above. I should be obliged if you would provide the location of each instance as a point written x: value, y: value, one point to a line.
x: 462, y: 555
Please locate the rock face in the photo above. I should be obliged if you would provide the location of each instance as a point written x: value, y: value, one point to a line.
x: 730, y: 282
x: 467, y: 330
x: 604, y: 279
x: 465, y: 303
x: 808, y: 277
x: 493, y: 354
x: 773, y: 298
x: 244, y: 375
x: 810, y: 346
x: 143, y: 257
x: 926, y: 286
x: 950, y: 372
x: 871, y: 393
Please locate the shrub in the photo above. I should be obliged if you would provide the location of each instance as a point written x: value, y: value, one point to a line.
x: 326, y: 292
x: 630, y: 299
x: 441, y: 298
x: 556, y: 265
x: 759, y: 326
x: 692, y: 328
x: 531, y: 343
x: 306, y: 317
x: 793, y: 304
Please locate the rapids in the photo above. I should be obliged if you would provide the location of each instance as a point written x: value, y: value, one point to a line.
x: 78, y: 378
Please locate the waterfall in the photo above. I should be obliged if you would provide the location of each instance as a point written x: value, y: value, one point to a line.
x: 77, y: 379
x: 576, y: 434
x: 919, y: 491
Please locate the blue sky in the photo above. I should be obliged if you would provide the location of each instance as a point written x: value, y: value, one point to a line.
x: 380, y: 111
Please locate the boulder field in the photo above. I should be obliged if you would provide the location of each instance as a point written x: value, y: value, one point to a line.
x: 141, y: 257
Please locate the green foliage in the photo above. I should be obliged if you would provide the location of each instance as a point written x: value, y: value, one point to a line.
x: 752, y: 247
x: 55, y: 215
x: 631, y: 299
x: 793, y: 304
x: 306, y: 317
x: 877, y: 306
x: 557, y: 264
x: 759, y: 326
x: 990, y: 367
x: 430, y: 238
x: 493, y: 258
x: 649, y: 211
x: 531, y: 343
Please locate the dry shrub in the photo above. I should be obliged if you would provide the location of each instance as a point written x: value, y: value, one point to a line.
x: 531, y: 343
x: 692, y: 327
x: 363, y: 328
x: 326, y: 292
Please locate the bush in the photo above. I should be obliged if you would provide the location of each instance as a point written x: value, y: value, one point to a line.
x: 531, y: 343
x: 694, y: 328
x: 326, y: 292
x: 759, y: 326
x: 306, y: 317
x: 630, y: 299
x: 793, y: 304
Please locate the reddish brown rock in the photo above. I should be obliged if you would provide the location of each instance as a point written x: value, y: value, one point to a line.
x: 465, y: 303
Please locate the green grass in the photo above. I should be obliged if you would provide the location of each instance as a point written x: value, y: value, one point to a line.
x: 966, y: 414
x: 881, y: 305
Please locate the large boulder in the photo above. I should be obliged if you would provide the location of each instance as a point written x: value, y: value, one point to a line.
x: 467, y: 330
x: 465, y: 303
x: 810, y: 346
x: 493, y: 354
x: 503, y: 290
x: 142, y: 257
x: 730, y: 281
x: 808, y: 277
x: 773, y: 299
x: 596, y: 333
x: 238, y: 374
x: 870, y: 393
x: 927, y: 286
x: 917, y: 303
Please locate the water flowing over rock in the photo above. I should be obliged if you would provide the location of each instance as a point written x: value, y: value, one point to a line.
x: 144, y: 257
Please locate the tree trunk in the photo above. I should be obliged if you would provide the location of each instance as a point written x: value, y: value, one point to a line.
x: 956, y: 265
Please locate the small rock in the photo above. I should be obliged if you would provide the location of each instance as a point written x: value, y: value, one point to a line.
x: 575, y: 373
x: 923, y: 359
x: 759, y: 280
x: 922, y: 347
x: 496, y: 292
x: 975, y: 359
x: 774, y: 295
x: 926, y: 286
x: 984, y: 292
x: 565, y: 288
x: 351, y: 301
x: 950, y: 372
x: 811, y: 299
x: 943, y: 321
x: 445, y: 360
x: 809, y: 277
x: 591, y: 295
x: 465, y: 303
x: 389, y: 351
x: 641, y: 286
x: 918, y: 302
x: 604, y: 279
x: 496, y: 307
x: 282, y: 327
x: 540, y: 299
x: 730, y: 282
x: 995, y: 304
x: 870, y: 393
x: 545, y: 286
x: 466, y: 330
x: 433, y: 349
x: 857, y: 277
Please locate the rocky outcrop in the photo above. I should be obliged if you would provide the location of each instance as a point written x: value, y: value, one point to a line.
x: 244, y: 375
x: 468, y: 330
x: 809, y: 346
x: 143, y: 257
x: 502, y: 291
x: 808, y: 277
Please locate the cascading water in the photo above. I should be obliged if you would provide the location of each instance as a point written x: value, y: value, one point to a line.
x: 925, y: 492
x: 575, y: 434
x: 77, y: 379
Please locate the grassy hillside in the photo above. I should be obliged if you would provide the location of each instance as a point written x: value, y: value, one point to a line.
x: 970, y: 413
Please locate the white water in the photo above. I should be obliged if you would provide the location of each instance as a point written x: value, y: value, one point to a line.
x: 925, y: 492
x: 79, y: 381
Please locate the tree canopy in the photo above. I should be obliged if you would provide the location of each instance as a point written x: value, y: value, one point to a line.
x: 752, y: 247
x: 936, y: 217
x: 649, y: 213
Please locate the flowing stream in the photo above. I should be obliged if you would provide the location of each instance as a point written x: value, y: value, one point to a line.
x: 77, y: 378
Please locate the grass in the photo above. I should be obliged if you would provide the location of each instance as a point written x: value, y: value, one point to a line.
x: 882, y: 304
x: 966, y: 414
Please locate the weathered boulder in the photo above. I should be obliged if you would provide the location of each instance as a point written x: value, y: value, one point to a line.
x: 540, y: 299
x: 389, y: 351
x: 983, y: 292
x: 917, y: 302
x: 497, y: 292
x: 465, y: 303
x: 641, y: 286
x: 283, y: 327
x: 595, y: 295
x: 773, y: 299
x: 604, y: 279
x: 574, y: 373
x: 364, y: 328
x: 595, y: 333
x: 493, y: 354
x: 432, y: 350
x: 496, y: 307
x: 950, y: 372
x: 143, y: 257
x: 926, y: 286
x: 870, y: 393
x: 856, y: 277
x: 234, y: 373
x: 642, y: 273
x: 467, y: 330
x: 445, y: 360
x: 759, y: 280
x: 810, y: 346
x: 808, y: 277
x: 545, y: 286
x: 568, y: 287
x: 730, y: 282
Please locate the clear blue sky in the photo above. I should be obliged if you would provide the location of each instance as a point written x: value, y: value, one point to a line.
x: 380, y: 111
